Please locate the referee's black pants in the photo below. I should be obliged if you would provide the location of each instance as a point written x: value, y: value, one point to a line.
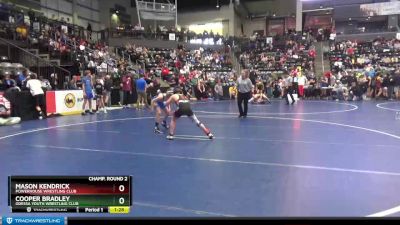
x: 243, y: 98
x: 289, y: 91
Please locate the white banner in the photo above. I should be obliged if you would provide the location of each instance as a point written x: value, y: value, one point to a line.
x: 172, y: 36
x: 69, y: 101
x: 380, y: 9
x: 64, y: 28
x: 269, y: 40
x: 163, y: 16
x: 66, y: 102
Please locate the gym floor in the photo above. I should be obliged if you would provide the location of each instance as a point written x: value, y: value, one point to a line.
x: 314, y: 158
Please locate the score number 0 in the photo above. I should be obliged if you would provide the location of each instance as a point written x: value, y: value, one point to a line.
x: 121, y: 200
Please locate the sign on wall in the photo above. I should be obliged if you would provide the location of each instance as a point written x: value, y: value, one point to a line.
x: 65, y: 102
x: 269, y: 40
x: 172, y: 36
x: 380, y: 9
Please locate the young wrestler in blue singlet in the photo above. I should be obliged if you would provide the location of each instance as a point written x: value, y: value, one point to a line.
x: 159, y: 103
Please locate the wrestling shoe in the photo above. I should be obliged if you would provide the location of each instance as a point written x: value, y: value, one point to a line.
x: 157, y: 130
x: 41, y: 115
x: 170, y: 137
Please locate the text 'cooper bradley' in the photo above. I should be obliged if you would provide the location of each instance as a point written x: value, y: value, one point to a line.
x: 42, y: 186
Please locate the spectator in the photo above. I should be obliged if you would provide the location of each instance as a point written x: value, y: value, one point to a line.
x: 302, y: 80
x: 108, y: 85
x: 35, y: 87
x: 45, y: 83
x: 100, y: 92
x: 126, y: 85
x: 89, y: 31
x: 379, y: 88
x: 219, y: 92
x: 8, y: 82
x: 253, y: 77
x: 54, y: 80
x: 338, y: 91
x: 22, y: 78
x: 201, y: 93
x: 72, y: 84
x: 141, y: 88
x: 5, y: 113
x: 355, y: 93
x: 289, y: 89
x: 87, y: 87
x: 277, y: 92
x: 391, y: 87
x: 165, y: 73
x: 396, y: 89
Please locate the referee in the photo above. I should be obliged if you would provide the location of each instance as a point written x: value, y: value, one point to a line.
x: 245, y: 88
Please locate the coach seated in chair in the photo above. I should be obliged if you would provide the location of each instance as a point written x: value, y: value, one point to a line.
x: 277, y: 92
x: 338, y: 91
x: 310, y: 89
x: 5, y: 112
x: 355, y: 92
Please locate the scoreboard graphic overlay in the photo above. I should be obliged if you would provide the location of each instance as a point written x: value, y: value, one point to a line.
x: 70, y: 194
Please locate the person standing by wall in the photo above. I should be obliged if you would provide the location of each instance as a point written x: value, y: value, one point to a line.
x: 100, y: 92
x: 126, y: 86
x: 245, y: 88
x: 302, y: 80
x: 219, y: 92
x: 89, y: 31
x: 87, y: 87
x: 35, y: 87
x: 141, y: 88
x: 22, y: 78
x: 108, y: 85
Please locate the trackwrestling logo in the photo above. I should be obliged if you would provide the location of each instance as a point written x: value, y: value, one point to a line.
x: 33, y: 220
x: 70, y: 100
